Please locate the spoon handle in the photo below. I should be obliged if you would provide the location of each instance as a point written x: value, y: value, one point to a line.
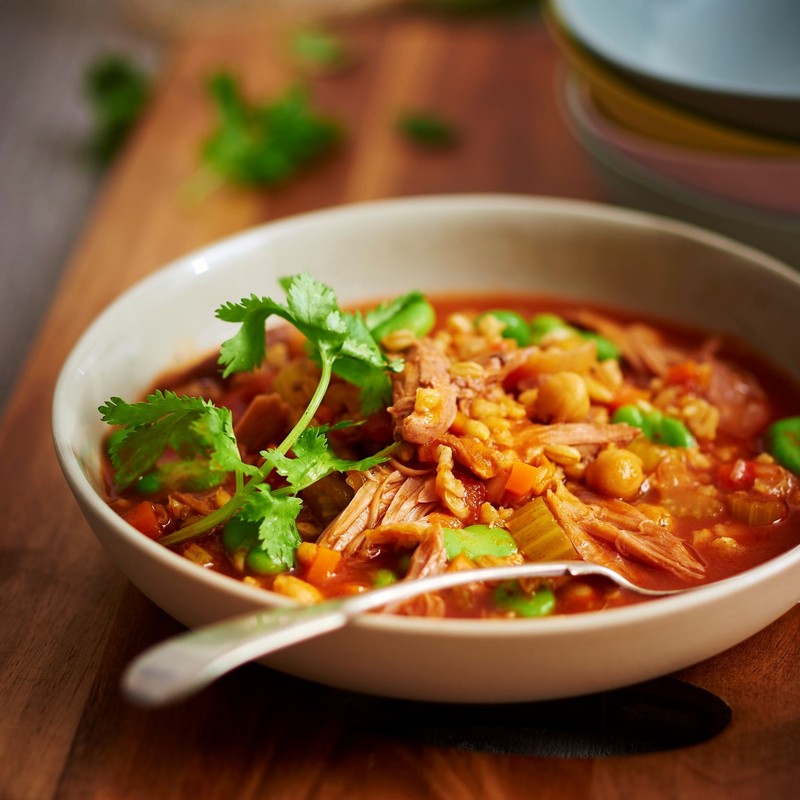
x: 185, y: 664
x: 190, y: 661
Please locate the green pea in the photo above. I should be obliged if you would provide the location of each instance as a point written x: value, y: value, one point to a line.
x: 783, y: 443
x: 673, y: 432
x: 149, y: 483
x: 646, y: 422
x: 510, y: 597
x: 514, y: 326
x: 606, y: 349
x: 262, y: 563
x: 384, y: 577
x: 630, y: 415
x: 239, y: 534
x: 416, y: 315
x: 543, y: 324
x: 656, y: 426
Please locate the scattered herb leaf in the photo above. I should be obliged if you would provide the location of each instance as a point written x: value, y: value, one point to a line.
x: 118, y: 92
x: 318, y: 50
x: 427, y: 129
x: 266, y: 144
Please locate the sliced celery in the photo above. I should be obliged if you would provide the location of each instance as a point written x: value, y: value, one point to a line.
x: 537, y: 533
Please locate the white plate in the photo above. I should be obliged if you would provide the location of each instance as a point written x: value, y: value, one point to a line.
x: 473, y: 243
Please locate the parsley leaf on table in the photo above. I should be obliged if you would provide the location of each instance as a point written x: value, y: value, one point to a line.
x: 265, y: 144
x: 316, y: 49
x: 118, y: 92
x: 427, y: 129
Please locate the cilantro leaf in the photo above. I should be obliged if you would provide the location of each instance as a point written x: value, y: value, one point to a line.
x: 265, y: 144
x: 190, y: 425
x: 118, y: 92
x: 341, y: 338
x: 428, y: 130
x: 276, y: 516
x: 314, y: 459
x: 246, y: 349
x: 202, y: 434
x: 318, y: 50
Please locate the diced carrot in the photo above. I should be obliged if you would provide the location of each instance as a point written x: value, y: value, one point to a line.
x: 688, y: 372
x: 324, y: 564
x: 521, y: 478
x: 628, y: 395
x: 143, y: 517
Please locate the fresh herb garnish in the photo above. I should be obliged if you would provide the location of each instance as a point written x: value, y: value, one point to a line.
x: 427, y: 129
x: 316, y: 49
x: 118, y: 92
x: 198, y: 430
x: 265, y: 144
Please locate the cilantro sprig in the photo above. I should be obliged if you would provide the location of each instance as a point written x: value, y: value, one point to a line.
x: 202, y: 433
x: 265, y: 144
x: 118, y: 92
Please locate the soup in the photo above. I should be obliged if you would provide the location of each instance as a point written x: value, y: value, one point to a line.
x: 343, y: 452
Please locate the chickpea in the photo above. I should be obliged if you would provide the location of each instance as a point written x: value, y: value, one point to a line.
x: 562, y: 397
x: 615, y: 473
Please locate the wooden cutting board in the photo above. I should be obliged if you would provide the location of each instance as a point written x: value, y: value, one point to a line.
x: 71, y: 621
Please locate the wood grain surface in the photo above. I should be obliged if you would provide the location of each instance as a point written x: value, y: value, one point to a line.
x: 71, y: 621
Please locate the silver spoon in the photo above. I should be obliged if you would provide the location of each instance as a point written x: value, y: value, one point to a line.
x: 187, y: 663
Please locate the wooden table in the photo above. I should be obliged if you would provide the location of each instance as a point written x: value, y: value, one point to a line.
x: 71, y: 621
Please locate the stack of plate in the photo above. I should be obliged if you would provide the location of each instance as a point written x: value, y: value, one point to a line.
x: 691, y: 108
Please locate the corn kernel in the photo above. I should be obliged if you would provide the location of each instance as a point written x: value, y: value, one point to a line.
x: 481, y: 408
x: 562, y: 454
x: 466, y: 369
x: 398, y: 340
x: 725, y: 545
x: 306, y: 551
x: 477, y: 429
x: 299, y: 590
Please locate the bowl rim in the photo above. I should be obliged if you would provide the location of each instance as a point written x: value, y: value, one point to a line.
x: 640, y: 171
x: 686, y: 127
x: 214, y: 255
x: 753, y: 88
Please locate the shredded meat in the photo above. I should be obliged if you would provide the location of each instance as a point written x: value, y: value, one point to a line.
x: 610, y: 535
x: 478, y: 458
x: 577, y: 434
x: 640, y: 345
x: 424, y: 399
x: 742, y: 404
x: 263, y: 422
x: 385, y: 497
x: 429, y: 558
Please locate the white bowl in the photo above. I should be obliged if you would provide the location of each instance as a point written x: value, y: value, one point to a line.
x: 471, y: 243
x: 734, y: 60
